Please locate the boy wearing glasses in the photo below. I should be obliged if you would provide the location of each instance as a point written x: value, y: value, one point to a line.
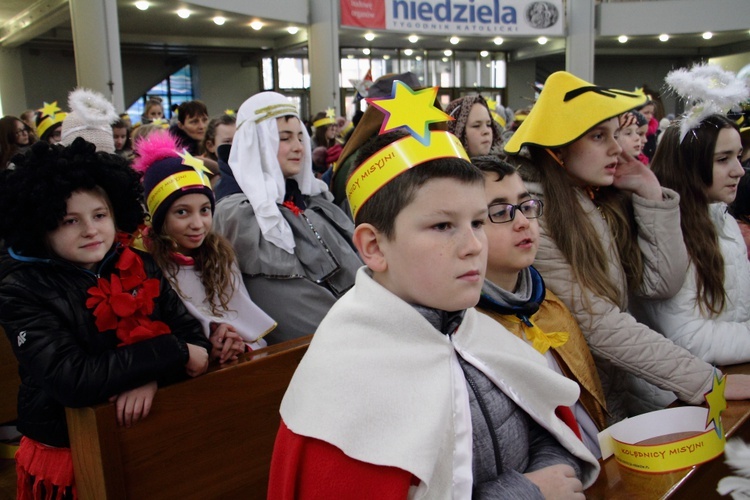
x: 514, y: 293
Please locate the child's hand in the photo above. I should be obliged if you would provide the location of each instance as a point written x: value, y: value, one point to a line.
x: 557, y: 482
x: 737, y: 387
x: 226, y: 343
x: 197, y: 362
x: 633, y: 176
x: 135, y: 404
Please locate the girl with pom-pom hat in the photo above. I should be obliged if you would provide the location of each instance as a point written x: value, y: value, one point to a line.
x: 200, y: 264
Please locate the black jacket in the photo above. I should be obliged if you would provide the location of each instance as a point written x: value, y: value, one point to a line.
x: 64, y: 361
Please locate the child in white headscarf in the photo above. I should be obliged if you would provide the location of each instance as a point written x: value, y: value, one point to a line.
x: 293, y: 244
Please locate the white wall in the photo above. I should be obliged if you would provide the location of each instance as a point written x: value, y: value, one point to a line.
x: 220, y: 80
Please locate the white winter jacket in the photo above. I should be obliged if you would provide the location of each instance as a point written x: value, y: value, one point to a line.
x: 618, y: 342
x: 725, y: 338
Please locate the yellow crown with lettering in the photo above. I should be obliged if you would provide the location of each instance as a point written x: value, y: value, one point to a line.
x: 414, y: 111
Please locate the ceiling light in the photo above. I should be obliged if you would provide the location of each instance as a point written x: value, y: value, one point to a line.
x: 219, y: 20
x: 707, y: 35
x: 369, y: 37
x: 183, y: 13
x: 408, y: 52
x: 292, y: 30
x: 350, y: 56
x: 454, y: 40
x: 386, y: 57
x: 448, y: 52
x: 542, y: 40
x: 622, y: 39
x: 663, y: 37
x: 418, y: 58
x: 498, y: 40
x: 256, y: 25
x: 413, y: 38
x: 445, y: 59
x: 484, y: 53
x: 366, y: 52
x: 142, y: 5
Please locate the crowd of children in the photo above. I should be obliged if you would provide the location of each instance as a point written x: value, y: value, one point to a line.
x: 485, y: 296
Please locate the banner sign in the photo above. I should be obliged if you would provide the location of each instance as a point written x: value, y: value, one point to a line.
x: 457, y: 17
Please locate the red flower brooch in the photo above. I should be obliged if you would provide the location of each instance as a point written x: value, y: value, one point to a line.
x: 124, y: 302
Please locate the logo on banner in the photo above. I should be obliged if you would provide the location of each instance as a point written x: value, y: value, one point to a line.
x: 468, y: 17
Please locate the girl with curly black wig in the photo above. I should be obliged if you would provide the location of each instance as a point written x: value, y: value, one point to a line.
x: 89, y: 320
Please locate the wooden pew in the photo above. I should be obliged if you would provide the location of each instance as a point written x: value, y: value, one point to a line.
x: 617, y: 482
x: 208, y: 437
x: 9, y: 381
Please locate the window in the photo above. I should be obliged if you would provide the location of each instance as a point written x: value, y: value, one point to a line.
x: 175, y: 89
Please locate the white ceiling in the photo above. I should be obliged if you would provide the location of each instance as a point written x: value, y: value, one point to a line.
x: 159, y: 28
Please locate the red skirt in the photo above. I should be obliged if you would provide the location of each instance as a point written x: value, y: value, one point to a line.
x: 44, y: 472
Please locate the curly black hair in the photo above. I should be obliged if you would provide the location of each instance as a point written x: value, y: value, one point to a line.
x: 34, y: 193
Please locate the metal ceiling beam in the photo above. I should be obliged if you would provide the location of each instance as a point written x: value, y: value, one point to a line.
x: 38, y: 18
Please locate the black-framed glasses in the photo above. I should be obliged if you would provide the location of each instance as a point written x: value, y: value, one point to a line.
x: 500, y: 213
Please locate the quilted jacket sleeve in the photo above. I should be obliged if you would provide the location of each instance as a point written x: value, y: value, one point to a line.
x: 665, y: 258
x: 612, y: 333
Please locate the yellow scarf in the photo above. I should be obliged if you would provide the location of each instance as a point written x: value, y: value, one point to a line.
x: 540, y: 340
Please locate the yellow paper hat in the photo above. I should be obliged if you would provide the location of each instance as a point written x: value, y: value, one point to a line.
x: 328, y: 119
x: 413, y: 111
x: 47, y: 116
x: 567, y: 107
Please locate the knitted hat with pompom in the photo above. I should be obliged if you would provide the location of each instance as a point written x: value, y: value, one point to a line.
x: 168, y: 174
x: 91, y: 117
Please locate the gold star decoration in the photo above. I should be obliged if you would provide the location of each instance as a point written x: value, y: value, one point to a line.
x: 331, y: 113
x: 412, y: 110
x: 50, y: 109
x: 717, y: 403
x: 196, y: 163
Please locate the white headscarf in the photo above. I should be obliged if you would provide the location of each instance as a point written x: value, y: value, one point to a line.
x: 255, y: 166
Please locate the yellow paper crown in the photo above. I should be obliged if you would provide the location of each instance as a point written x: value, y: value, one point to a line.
x: 625, y: 440
x: 413, y: 111
x: 196, y: 177
x: 328, y: 119
x: 567, y: 107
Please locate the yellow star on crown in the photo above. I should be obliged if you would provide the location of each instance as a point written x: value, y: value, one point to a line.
x: 196, y: 163
x: 229, y: 112
x: 717, y: 403
x: 331, y: 113
x: 410, y: 109
x: 50, y: 109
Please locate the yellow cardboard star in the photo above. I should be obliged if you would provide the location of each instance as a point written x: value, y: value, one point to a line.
x: 717, y: 403
x: 331, y: 113
x: 196, y: 163
x: 412, y: 110
x: 229, y: 112
x: 50, y: 109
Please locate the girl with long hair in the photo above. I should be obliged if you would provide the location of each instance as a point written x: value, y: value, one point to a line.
x: 14, y: 136
x: 200, y: 264
x: 709, y: 316
x: 610, y: 230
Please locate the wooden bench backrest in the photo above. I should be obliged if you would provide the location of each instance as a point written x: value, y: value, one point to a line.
x: 9, y: 381
x: 208, y: 437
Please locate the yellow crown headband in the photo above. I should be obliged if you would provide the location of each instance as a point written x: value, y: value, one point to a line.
x: 643, y: 443
x: 413, y: 110
x: 395, y: 159
x: 178, y: 181
x: 328, y: 119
